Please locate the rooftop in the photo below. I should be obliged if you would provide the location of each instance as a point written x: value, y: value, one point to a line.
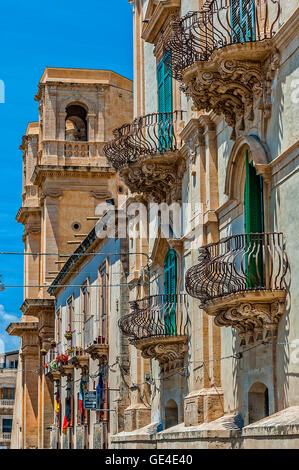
x: 84, y: 76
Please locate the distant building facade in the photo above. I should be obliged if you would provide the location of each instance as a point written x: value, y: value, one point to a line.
x: 65, y: 177
x: 91, y: 296
x: 8, y: 378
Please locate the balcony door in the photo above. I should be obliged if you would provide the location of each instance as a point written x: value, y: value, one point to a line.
x: 70, y: 313
x: 170, y: 281
x: 254, y: 224
x: 165, y: 103
x: 242, y: 20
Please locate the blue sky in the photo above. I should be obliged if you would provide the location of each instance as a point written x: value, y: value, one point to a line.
x: 35, y: 34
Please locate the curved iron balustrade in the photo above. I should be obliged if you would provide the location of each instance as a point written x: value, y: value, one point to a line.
x: 254, y: 261
x: 147, y: 135
x: 163, y: 315
x: 199, y: 33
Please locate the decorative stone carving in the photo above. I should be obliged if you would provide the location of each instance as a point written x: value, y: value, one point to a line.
x: 255, y: 315
x: 232, y: 86
x: 157, y: 182
x: 98, y: 351
x: 55, y: 193
x: 66, y: 370
x: 102, y: 194
x: 79, y: 361
x: 170, y: 352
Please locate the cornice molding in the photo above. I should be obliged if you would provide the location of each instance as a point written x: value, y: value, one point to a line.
x: 34, y: 306
x: 151, y: 30
x: 41, y: 172
x: 24, y: 212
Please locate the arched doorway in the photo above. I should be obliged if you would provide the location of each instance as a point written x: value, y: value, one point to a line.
x: 171, y: 414
x: 258, y: 402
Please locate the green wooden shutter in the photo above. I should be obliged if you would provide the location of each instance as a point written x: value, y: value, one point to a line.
x: 164, y: 79
x: 165, y: 102
x: 243, y: 13
x: 253, y: 199
x: 253, y: 217
x: 160, y: 80
x: 170, y: 280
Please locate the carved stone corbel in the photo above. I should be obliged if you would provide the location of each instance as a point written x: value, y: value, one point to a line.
x: 254, y: 316
x: 234, y: 87
x: 169, y: 352
x: 157, y: 182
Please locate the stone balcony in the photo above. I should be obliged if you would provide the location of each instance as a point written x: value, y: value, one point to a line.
x: 57, y: 364
x: 79, y: 359
x: 72, y: 153
x: 242, y: 281
x: 6, y: 404
x: 158, y: 326
x: 95, y: 342
x: 227, y: 66
x: 146, y: 154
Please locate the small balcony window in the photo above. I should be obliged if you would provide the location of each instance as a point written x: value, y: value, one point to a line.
x: 6, y: 425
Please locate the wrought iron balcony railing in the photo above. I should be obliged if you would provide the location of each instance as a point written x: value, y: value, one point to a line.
x: 157, y: 316
x: 148, y: 135
x: 224, y: 22
x: 240, y: 263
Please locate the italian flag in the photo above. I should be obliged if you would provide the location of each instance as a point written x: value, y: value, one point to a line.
x: 81, y: 398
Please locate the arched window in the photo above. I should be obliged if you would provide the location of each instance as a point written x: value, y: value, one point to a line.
x: 171, y: 414
x: 170, y: 281
x: 258, y: 402
x: 75, y: 123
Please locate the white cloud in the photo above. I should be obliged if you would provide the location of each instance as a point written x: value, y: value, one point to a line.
x: 7, y: 317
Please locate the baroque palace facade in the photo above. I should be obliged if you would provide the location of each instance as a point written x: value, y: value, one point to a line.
x: 178, y: 310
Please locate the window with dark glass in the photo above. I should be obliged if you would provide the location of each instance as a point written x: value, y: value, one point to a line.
x: 6, y: 425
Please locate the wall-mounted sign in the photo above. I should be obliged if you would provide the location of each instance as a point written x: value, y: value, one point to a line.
x: 90, y: 401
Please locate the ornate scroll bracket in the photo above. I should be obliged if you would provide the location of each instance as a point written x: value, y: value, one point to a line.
x: 65, y: 370
x: 98, y: 351
x: 234, y: 86
x: 170, y: 352
x: 80, y: 361
x: 158, y: 182
x: 255, y: 315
